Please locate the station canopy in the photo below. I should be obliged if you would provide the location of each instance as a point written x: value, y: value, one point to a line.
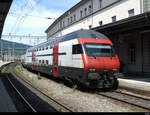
x: 4, y: 8
x: 139, y: 22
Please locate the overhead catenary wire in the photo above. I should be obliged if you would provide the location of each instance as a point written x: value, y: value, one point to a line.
x: 20, y: 14
x: 15, y: 14
x: 26, y: 15
x: 23, y: 15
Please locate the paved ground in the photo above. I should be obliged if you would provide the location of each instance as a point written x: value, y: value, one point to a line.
x: 138, y: 77
x: 136, y: 81
x: 6, y: 104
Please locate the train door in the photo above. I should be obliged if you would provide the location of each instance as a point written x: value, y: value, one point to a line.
x: 55, y: 60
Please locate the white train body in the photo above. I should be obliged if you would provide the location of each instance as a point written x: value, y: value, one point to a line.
x: 71, y: 56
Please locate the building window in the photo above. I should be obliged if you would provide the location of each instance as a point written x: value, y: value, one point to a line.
x: 74, y: 16
x: 132, y: 54
x: 114, y: 19
x: 100, y: 3
x: 100, y: 23
x: 60, y: 24
x: 90, y: 26
x: 63, y: 23
x: 81, y: 14
x: 90, y: 9
x: 85, y: 11
x: 68, y: 21
x: 71, y: 19
x: 131, y: 12
x: 77, y: 49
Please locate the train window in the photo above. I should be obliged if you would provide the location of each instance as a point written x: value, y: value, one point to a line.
x: 42, y: 48
x: 39, y: 61
x: 42, y: 61
x: 47, y: 48
x: 77, y: 49
x: 97, y: 50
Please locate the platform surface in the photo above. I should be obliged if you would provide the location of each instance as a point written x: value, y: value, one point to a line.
x: 137, y: 82
x: 6, y: 104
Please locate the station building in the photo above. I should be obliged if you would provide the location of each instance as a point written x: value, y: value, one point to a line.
x: 125, y: 22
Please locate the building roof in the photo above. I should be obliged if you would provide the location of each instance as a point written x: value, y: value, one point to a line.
x: 4, y: 8
x: 138, y: 22
x: 66, y: 13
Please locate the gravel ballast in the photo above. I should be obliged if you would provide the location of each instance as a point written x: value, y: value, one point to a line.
x: 78, y: 100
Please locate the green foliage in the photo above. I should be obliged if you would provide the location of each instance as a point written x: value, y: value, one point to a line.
x: 39, y: 76
x: 74, y: 87
x: 61, y: 85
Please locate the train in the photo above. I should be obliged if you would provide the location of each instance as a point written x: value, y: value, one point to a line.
x: 84, y: 55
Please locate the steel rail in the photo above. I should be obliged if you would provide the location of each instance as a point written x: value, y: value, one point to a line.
x: 60, y: 104
x: 29, y: 105
x: 130, y: 99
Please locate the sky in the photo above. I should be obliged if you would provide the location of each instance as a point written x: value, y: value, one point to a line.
x: 28, y: 17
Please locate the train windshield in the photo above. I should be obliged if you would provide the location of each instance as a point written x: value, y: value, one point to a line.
x: 99, y: 50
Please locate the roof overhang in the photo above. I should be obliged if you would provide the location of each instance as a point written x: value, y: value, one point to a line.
x: 138, y: 22
x: 4, y: 8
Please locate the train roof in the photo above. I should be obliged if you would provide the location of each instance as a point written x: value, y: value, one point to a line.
x: 83, y: 33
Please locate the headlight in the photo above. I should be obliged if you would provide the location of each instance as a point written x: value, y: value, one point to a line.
x: 92, y: 70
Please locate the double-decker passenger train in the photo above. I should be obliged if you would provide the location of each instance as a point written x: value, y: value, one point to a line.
x: 84, y: 55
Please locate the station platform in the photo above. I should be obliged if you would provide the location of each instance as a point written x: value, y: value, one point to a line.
x: 139, y: 82
x: 6, y: 104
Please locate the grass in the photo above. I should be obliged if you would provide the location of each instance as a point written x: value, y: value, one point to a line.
x: 60, y: 110
x: 74, y: 87
x: 39, y: 76
x: 61, y: 85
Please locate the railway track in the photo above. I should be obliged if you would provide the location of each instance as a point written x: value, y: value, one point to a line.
x: 22, y: 97
x: 128, y: 98
x: 34, y: 104
x: 119, y: 96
